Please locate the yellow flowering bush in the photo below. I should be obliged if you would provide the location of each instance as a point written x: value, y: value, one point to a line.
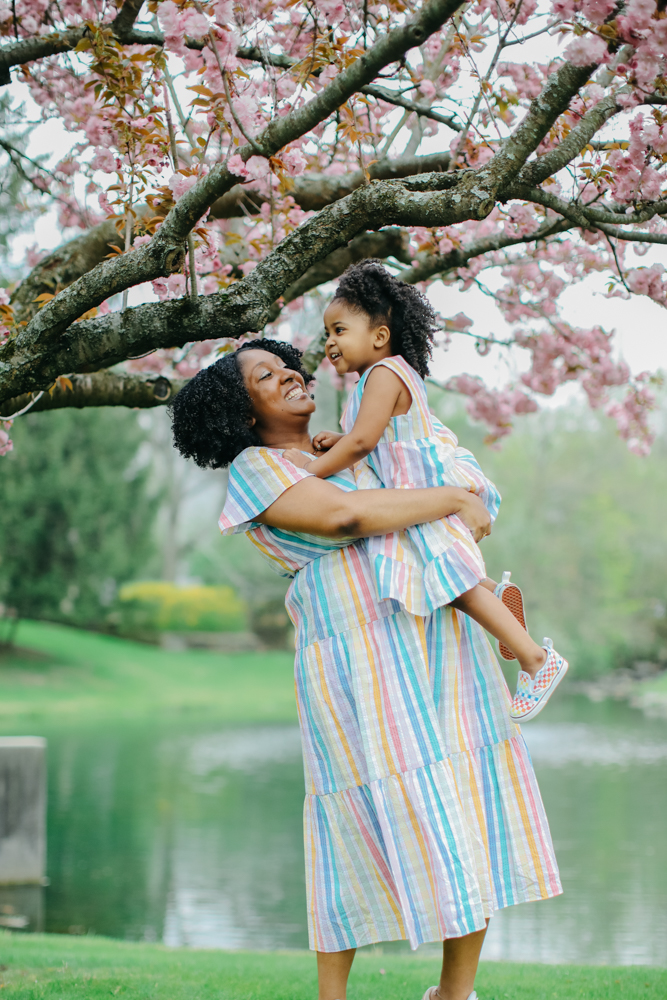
x: 166, y: 607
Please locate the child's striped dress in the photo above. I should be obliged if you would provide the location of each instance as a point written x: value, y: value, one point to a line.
x: 430, y: 565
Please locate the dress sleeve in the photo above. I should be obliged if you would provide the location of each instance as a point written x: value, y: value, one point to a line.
x: 257, y: 477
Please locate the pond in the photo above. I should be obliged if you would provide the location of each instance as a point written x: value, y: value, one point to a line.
x: 194, y: 838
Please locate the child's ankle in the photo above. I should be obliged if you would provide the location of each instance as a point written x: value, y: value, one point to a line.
x: 533, y: 663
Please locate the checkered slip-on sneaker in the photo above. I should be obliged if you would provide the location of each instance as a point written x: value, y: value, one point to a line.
x: 532, y: 695
x: 432, y: 994
x: 512, y: 598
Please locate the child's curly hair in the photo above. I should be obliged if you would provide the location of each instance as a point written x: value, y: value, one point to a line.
x: 369, y: 288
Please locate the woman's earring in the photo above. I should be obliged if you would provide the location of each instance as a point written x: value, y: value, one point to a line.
x: 312, y: 395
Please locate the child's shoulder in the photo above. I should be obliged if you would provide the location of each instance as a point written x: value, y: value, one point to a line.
x: 401, y: 369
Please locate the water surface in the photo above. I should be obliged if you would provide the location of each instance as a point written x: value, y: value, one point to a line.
x: 194, y: 837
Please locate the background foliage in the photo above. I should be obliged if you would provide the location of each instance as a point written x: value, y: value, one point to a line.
x: 582, y: 528
x: 75, y: 514
x: 162, y: 605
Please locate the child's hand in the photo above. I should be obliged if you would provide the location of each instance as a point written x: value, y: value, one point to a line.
x: 297, y: 458
x: 325, y: 440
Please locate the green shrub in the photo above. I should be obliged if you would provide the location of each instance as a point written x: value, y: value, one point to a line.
x: 158, y: 606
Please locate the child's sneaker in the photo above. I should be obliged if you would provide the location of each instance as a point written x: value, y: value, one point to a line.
x: 532, y: 695
x: 512, y: 598
x: 432, y: 994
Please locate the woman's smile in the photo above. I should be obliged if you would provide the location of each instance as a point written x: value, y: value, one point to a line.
x: 295, y: 393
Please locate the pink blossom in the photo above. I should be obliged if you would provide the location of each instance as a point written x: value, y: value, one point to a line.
x: 333, y: 10
x: 650, y: 281
x: 328, y: 74
x: 295, y: 161
x: 495, y: 409
x: 427, y: 88
x: 597, y: 11
x: 103, y: 202
x: 104, y: 160
x: 632, y: 415
x: 237, y: 167
x: 587, y: 50
x: 528, y: 81
x: 636, y: 19
x: 179, y: 184
x: 6, y: 444
x: 223, y: 11
x: 458, y: 323
x: 563, y: 9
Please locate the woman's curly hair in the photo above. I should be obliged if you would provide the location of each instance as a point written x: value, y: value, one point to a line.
x: 369, y: 288
x: 210, y: 414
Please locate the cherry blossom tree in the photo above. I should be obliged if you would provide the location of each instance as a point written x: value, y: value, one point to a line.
x: 236, y: 156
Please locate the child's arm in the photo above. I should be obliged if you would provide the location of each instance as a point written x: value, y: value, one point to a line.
x: 382, y: 393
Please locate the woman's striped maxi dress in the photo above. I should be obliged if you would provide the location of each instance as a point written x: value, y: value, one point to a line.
x: 422, y: 812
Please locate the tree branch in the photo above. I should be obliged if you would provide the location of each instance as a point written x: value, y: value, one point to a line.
x: 163, y: 255
x: 387, y: 243
x: 104, y: 388
x: 419, y: 109
x: 544, y: 110
x: 312, y: 192
x: 438, y: 264
x: 63, y: 266
x: 580, y: 215
x: 27, y: 50
x: 550, y: 163
x: 247, y: 304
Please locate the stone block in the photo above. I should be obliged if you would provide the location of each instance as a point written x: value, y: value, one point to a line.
x: 22, y: 810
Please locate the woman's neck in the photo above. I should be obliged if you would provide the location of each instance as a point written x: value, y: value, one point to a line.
x: 285, y: 437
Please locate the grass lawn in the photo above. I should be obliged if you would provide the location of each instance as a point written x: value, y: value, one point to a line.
x: 61, y: 675
x: 54, y: 966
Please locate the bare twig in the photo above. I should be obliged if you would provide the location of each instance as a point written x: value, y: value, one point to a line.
x: 418, y: 109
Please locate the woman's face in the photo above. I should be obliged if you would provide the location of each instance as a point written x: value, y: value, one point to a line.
x: 278, y: 393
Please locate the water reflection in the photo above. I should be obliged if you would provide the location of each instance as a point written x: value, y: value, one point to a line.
x: 604, y: 784
x: 194, y: 838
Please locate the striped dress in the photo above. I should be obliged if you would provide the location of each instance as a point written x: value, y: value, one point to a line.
x: 428, y: 565
x: 422, y: 814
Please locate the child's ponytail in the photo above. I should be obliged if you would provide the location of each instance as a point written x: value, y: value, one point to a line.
x: 369, y: 288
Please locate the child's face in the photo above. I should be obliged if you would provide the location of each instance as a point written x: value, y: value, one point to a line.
x: 353, y: 344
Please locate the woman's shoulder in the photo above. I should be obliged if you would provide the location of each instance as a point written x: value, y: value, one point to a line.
x: 257, y: 477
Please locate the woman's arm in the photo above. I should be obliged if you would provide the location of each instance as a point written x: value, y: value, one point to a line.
x: 381, y: 394
x: 320, y: 508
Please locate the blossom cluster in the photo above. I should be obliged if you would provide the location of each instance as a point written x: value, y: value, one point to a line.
x: 149, y: 121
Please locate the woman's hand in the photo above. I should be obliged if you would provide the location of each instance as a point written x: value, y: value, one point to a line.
x: 475, y: 516
x: 297, y: 458
x: 325, y: 440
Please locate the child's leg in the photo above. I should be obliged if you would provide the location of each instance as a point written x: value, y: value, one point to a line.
x: 487, y: 610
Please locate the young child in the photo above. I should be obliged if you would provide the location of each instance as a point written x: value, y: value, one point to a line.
x: 382, y: 329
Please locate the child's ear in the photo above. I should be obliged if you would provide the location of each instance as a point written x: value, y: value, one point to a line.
x: 382, y: 336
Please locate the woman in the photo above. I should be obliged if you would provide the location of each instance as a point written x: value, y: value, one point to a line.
x: 422, y: 814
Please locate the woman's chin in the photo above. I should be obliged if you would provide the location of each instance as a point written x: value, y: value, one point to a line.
x: 303, y: 406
